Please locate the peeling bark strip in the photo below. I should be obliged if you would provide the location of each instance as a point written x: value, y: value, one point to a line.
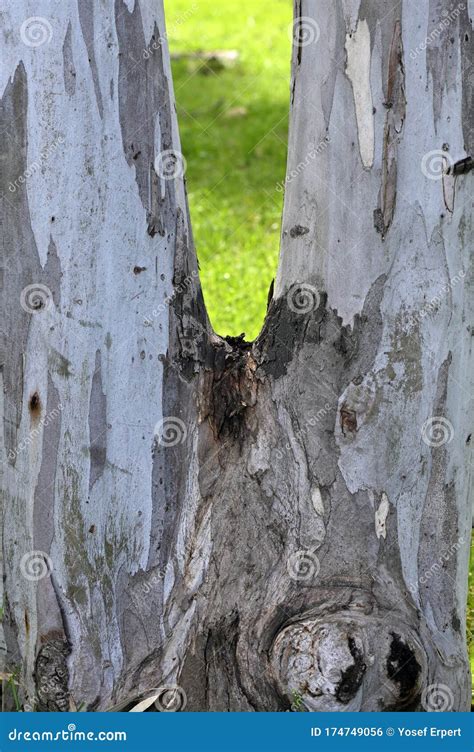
x: 396, y: 112
x: 235, y: 523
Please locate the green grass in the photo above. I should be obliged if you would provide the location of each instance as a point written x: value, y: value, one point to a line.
x: 233, y: 125
x: 470, y: 610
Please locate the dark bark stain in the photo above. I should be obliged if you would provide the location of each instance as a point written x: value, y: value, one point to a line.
x: 229, y: 387
x: 404, y: 670
x: 86, y: 17
x: 190, y: 330
x: 297, y: 231
x: 143, y: 93
x: 34, y: 406
x: 351, y: 678
x: 298, y: 31
x: 348, y: 420
x: 97, y: 424
x: 284, y: 331
x: 69, y: 70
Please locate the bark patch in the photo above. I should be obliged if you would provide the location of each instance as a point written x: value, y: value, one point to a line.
x: 144, y: 99
x: 230, y: 387
x: 348, y: 419
x: 97, y: 424
x: 52, y: 676
x: 395, y: 118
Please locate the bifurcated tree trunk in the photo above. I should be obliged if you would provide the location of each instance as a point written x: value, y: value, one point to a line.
x: 264, y: 525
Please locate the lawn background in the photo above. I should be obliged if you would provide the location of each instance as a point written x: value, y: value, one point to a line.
x: 233, y: 123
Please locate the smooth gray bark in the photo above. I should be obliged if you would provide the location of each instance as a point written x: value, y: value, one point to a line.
x: 267, y: 524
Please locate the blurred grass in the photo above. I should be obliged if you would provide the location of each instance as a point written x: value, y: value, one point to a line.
x: 470, y: 611
x: 233, y: 124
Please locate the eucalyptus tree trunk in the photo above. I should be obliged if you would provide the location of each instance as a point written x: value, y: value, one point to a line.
x: 263, y: 525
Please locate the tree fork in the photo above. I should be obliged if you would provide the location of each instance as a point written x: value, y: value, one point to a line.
x: 262, y: 524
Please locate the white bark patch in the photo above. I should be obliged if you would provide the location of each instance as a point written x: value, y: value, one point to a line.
x: 317, y: 500
x: 381, y: 517
x: 319, y: 527
x: 358, y: 72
